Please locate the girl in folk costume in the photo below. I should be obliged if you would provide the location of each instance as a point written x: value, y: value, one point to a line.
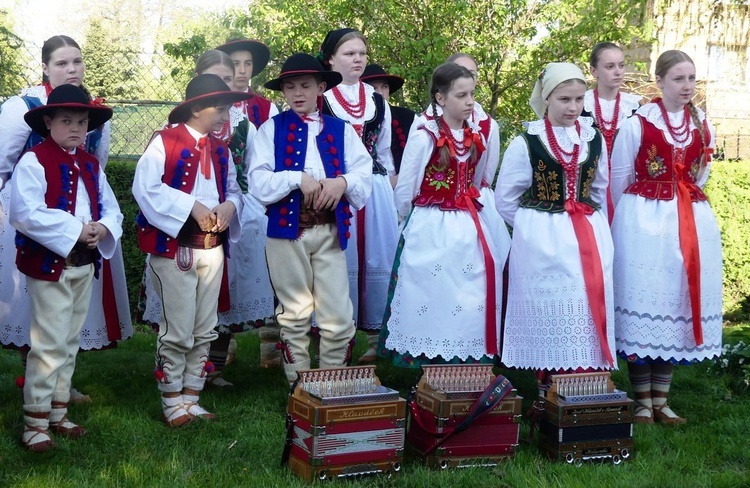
x: 606, y: 103
x: 487, y: 126
x: 250, y: 294
x: 668, y: 267
x: 449, y: 243
x: 108, y: 318
x: 375, y: 226
x: 250, y: 57
x: 552, y: 191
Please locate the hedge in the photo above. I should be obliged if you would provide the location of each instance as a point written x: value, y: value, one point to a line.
x: 728, y: 191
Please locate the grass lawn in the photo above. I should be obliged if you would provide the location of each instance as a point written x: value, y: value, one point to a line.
x: 128, y: 445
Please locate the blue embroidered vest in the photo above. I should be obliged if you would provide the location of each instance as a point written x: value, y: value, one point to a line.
x: 290, y: 143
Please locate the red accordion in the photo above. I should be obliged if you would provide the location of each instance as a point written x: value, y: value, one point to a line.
x: 444, y: 400
x: 343, y: 423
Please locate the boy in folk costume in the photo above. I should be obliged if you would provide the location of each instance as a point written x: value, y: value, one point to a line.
x: 308, y: 169
x: 188, y: 195
x: 67, y: 218
x: 250, y: 58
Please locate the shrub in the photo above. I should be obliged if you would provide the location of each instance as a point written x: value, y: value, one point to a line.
x: 728, y: 190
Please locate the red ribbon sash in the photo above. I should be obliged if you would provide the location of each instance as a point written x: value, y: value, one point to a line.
x: 689, y: 247
x: 593, y: 276
x: 109, y: 303
x: 490, y: 313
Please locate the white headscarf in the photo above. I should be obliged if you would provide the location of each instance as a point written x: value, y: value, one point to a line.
x: 551, y: 76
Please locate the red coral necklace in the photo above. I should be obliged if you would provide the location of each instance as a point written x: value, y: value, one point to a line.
x: 357, y: 109
x: 461, y: 148
x: 608, y: 128
x: 569, y: 165
x: 681, y: 133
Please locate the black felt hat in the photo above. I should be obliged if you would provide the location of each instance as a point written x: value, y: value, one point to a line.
x: 261, y: 53
x: 204, y: 88
x: 303, y: 64
x: 71, y: 97
x: 329, y: 45
x: 374, y: 72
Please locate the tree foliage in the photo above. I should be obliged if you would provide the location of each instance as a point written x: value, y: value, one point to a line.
x: 511, y: 40
x: 11, y: 67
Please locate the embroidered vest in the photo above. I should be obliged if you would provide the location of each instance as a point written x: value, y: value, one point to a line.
x: 62, y: 176
x: 258, y: 109
x: 180, y: 171
x: 290, y: 143
x: 547, y: 191
x: 402, y: 119
x: 447, y: 188
x: 370, y: 131
x: 655, y: 174
x: 237, y: 149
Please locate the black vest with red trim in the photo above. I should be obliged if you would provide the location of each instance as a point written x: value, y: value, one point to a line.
x: 655, y: 172
x: 446, y: 188
x: 62, y: 175
x: 402, y: 120
x: 547, y: 191
x: 181, y: 168
x: 290, y: 146
x: 370, y: 131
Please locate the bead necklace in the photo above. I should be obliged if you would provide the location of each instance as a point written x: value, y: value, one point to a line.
x: 460, y: 148
x: 608, y: 128
x: 681, y: 133
x: 569, y: 166
x: 223, y: 133
x: 356, y: 110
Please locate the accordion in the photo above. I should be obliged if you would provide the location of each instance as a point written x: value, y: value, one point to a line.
x: 584, y: 418
x: 444, y: 431
x: 342, y: 423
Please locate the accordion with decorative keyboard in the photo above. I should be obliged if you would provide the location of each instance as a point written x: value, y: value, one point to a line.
x: 447, y: 427
x: 583, y: 417
x: 342, y: 423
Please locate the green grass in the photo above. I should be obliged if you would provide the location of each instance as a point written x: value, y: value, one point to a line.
x: 128, y: 445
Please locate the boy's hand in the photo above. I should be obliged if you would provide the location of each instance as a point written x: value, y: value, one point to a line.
x: 98, y: 233
x: 310, y: 189
x: 330, y: 194
x: 224, y: 212
x: 205, y: 217
x: 87, y: 232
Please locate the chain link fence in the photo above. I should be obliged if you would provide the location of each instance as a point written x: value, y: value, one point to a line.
x: 135, y: 119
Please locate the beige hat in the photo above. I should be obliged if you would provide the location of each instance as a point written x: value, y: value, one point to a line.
x: 552, y: 75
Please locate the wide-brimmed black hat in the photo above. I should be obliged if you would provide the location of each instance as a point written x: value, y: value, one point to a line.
x: 374, y: 72
x: 71, y: 97
x: 204, y: 88
x: 329, y: 45
x: 261, y: 53
x: 303, y: 64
